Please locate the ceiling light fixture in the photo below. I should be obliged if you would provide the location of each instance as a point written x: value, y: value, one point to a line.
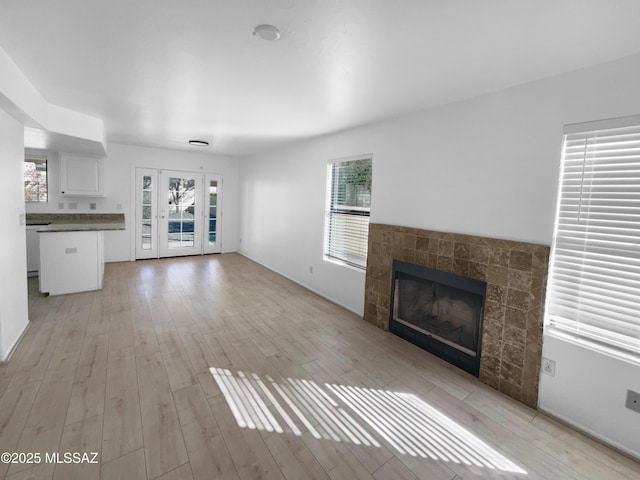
x: 267, y: 32
x: 199, y: 143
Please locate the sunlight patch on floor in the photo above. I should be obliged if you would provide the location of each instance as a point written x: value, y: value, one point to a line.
x: 357, y: 415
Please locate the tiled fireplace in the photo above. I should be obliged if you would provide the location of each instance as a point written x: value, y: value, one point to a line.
x: 515, y: 274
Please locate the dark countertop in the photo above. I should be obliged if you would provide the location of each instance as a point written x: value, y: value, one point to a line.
x: 75, y: 222
x: 80, y: 227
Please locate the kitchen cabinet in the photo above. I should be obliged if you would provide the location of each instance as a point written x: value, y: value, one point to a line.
x: 71, y: 261
x: 81, y: 175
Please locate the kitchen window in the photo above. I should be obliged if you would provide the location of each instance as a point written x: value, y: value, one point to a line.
x: 348, y: 209
x: 35, y: 179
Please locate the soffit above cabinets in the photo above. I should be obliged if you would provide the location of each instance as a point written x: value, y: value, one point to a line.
x: 35, y: 138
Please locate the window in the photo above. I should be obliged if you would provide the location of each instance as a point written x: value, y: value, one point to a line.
x: 348, y: 206
x: 35, y: 179
x: 594, y: 279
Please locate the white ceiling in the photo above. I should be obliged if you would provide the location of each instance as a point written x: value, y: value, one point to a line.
x: 159, y: 72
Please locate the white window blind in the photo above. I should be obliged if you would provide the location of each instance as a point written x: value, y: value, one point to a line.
x: 593, y: 290
x: 348, y: 208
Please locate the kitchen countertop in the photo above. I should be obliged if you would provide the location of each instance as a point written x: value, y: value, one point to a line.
x: 80, y: 227
x: 74, y: 222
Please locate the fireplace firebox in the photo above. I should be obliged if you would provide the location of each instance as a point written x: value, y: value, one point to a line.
x: 439, y: 312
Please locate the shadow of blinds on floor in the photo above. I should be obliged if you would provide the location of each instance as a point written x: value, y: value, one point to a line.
x: 405, y: 422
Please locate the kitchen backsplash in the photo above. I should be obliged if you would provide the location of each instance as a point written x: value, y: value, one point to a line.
x: 44, y: 218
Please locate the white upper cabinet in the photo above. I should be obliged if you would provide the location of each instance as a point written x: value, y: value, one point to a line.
x: 81, y: 175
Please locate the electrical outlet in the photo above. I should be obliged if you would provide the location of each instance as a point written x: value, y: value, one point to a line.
x: 548, y: 367
x: 633, y: 401
x: 60, y: 206
x: 92, y: 206
x: 73, y: 205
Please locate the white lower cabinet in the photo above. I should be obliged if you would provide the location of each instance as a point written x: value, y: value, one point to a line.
x: 71, y: 261
x: 33, y: 251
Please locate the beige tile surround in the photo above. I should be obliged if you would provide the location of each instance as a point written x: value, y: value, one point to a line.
x: 515, y: 273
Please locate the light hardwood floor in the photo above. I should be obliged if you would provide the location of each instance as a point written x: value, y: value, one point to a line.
x: 216, y: 368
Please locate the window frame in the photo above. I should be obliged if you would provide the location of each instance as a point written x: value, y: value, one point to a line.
x: 42, y: 159
x: 348, y: 258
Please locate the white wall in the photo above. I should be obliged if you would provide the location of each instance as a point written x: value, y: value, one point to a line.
x: 282, y: 217
x: 103, y: 205
x: 119, y: 168
x: 20, y: 99
x: 13, y: 254
x: 589, y: 389
x: 487, y: 166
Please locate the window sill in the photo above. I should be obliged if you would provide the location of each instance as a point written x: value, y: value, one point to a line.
x: 344, y: 264
x: 593, y: 347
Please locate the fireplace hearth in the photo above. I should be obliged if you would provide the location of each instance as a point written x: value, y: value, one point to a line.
x: 439, y: 312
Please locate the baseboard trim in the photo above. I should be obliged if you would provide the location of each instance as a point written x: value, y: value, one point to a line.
x: 7, y: 357
x: 607, y: 442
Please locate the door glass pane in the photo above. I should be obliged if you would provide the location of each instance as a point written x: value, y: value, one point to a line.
x: 212, y: 231
x: 147, y: 200
x: 213, y: 202
x: 181, y: 207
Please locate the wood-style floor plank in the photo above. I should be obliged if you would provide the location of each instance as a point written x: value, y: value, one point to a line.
x: 294, y: 458
x: 125, y: 467
x: 164, y: 447
x: 394, y: 470
x: 43, y: 429
x: 176, y: 361
x: 87, y: 395
x: 208, y: 452
x: 246, y: 447
x: 83, y: 441
x: 15, y: 405
x: 215, y: 367
x: 122, y: 433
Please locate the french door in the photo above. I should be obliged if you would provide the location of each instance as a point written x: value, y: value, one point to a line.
x: 176, y: 213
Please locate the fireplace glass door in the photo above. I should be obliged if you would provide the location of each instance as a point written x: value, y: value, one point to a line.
x: 440, y: 312
x: 448, y: 314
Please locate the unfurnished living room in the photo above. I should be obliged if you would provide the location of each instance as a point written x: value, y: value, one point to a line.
x: 303, y: 239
